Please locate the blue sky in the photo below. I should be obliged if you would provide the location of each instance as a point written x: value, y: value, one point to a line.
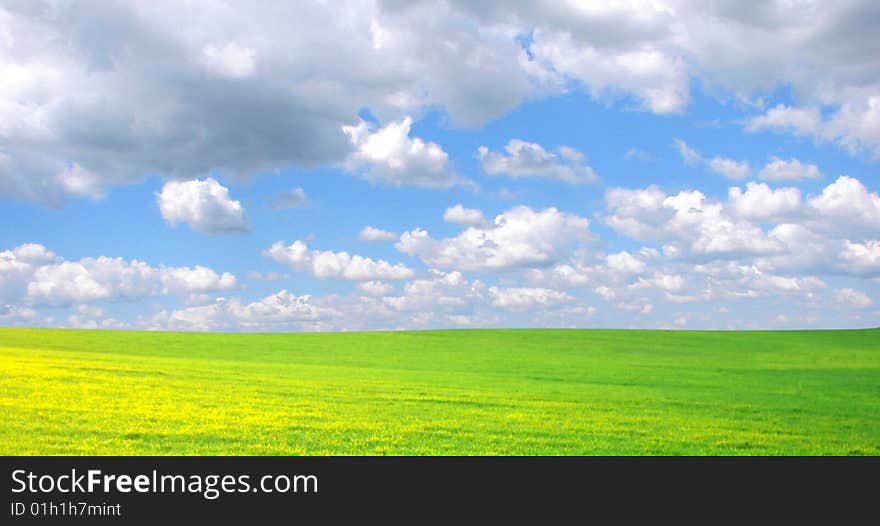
x: 521, y: 165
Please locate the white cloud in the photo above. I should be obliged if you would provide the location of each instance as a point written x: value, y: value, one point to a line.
x: 729, y: 168
x: 847, y: 206
x: 369, y: 233
x: 855, y: 125
x: 204, y: 204
x: 339, y: 265
x: 464, y: 216
x: 192, y: 279
x: 17, y: 265
x: 606, y: 293
x: 626, y: 263
x: 27, y: 253
x: 376, y: 288
x: 860, y: 258
x: 833, y: 232
x: 104, y: 278
x: 525, y: 298
x: 33, y: 274
x: 853, y: 297
x: 519, y: 237
x: 276, y: 311
x: 760, y: 202
x: 656, y: 79
x: 778, y: 169
x: 389, y: 155
x: 667, y: 282
x: 809, y: 251
x: 90, y: 279
x: 732, y: 280
x: 800, y: 121
x: 524, y: 159
x: 561, y: 275
x: 448, y: 292
x: 444, y: 299
x: 279, y: 307
x: 690, y: 223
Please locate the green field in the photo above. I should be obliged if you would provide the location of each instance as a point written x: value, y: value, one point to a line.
x: 522, y: 392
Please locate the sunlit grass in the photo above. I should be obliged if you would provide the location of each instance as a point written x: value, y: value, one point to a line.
x: 520, y: 392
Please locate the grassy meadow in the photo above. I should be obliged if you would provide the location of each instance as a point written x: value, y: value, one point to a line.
x: 518, y: 391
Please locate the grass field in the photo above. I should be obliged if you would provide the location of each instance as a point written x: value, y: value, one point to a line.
x: 520, y: 392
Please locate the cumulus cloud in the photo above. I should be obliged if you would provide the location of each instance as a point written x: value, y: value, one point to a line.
x: 760, y: 202
x: 104, y: 278
x: 376, y: 288
x: 800, y: 121
x: 848, y: 207
x: 279, y: 310
x: 523, y: 159
x: 519, y: 237
x: 667, y: 282
x: 17, y: 265
x: 853, y: 297
x: 370, y: 233
x: 525, y: 298
x: 855, y: 125
x: 657, y: 80
x: 34, y: 275
x: 338, y: 265
x: 688, y: 222
x: 860, y: 258
x: 625, y: 262
x: 194, y: 279
x: 832, y: 232
x: 778, y: 169
x: 463, y: 216
x: 389, y: 155
x: 445, y: 299
x: 733, y: 280
x: 203, y: 204
x: 441, y: 291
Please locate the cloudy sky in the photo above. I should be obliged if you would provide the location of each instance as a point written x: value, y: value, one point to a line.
x: 220, y: 165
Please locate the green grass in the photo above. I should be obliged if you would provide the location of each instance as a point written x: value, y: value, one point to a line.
x: 522, y: 392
